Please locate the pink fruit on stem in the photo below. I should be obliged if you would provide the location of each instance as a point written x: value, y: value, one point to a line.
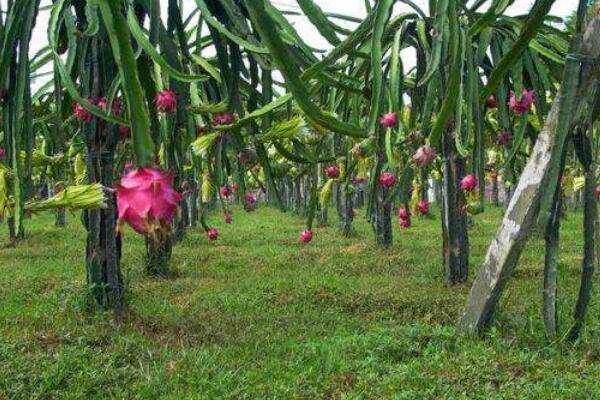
x: 124, y: 132
x: 226, y: 191
x: 332, y: 172
x: 389, y: 120
x: 423, y: 207
x: 503, y: 138
x: 212, y: 234
x: 306, y: 236
x: 387, y: 180
x: 249, y: 202
x: 166, y: 102
x: 468, y: 183
x: 424, y: 156
x: 491, y: 102
x: 523, y: 105
x: 146, y: 201
x: 223, y: 118
x: 403, y: 213
x: 404, y: 223
x: 81, y: 113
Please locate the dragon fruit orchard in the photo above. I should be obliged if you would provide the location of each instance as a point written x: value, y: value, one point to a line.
x: 147, y: 202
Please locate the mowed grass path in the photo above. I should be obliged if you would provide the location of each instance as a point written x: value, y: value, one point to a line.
x: 257, y: 315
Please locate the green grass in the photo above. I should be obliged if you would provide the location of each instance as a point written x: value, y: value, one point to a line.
x: 257, y: 315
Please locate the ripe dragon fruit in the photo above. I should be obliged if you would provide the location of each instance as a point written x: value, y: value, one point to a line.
x: 503, y: 138
x: 102, y: 103
x: 332, y: 172
x: 146, y: 200
x: 523, y: 105
x: 423, y: 207
x: 387, y: 180
x: 491, y: 102
x: 212, y: 234
x: 468, y: 183
x: 389, y: 120
x: 223, y: 118
x: 404, y: 223
x: 81, y: 113
x: 424, y: 156
x: 124, y: 132
x: 403, y: 213
x: 226, y: 191
x: 306, y: 236
x: 249, y: 202
x: 166, y: 102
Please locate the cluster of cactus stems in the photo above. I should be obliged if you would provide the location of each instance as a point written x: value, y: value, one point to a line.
x: 153, y: 123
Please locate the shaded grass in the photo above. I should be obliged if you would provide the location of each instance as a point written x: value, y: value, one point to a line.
x: 257, y: 315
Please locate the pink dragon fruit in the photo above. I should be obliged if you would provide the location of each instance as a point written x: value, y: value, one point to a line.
x: 423, y: 207
x: 306, y: 236
x: 523, y: 105
x: 403, y: 213
x: 226, y: 191
x: 404, y: 223
x: 332, y: 172
x: 387, y: 180
x: 424, y: 156
x: 212, y: 234
x: 468, y: 183
x: 389, y: 120
x: 491, y: 102
x: 146, y: 200
x: 81, y: 113
x: 503, y: 138
x: 249, y: 202
x: 223, y: 118
x: 124, y: 132
x: 166, y: 102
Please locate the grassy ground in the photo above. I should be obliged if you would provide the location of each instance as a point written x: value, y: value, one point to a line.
x: 256, y: 315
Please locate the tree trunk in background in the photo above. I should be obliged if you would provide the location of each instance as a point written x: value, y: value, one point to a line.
x: 347, y: 210
x: 552, y: 238
x: 495, y: 195
x: 454, y: 216
x: 382, y: 216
